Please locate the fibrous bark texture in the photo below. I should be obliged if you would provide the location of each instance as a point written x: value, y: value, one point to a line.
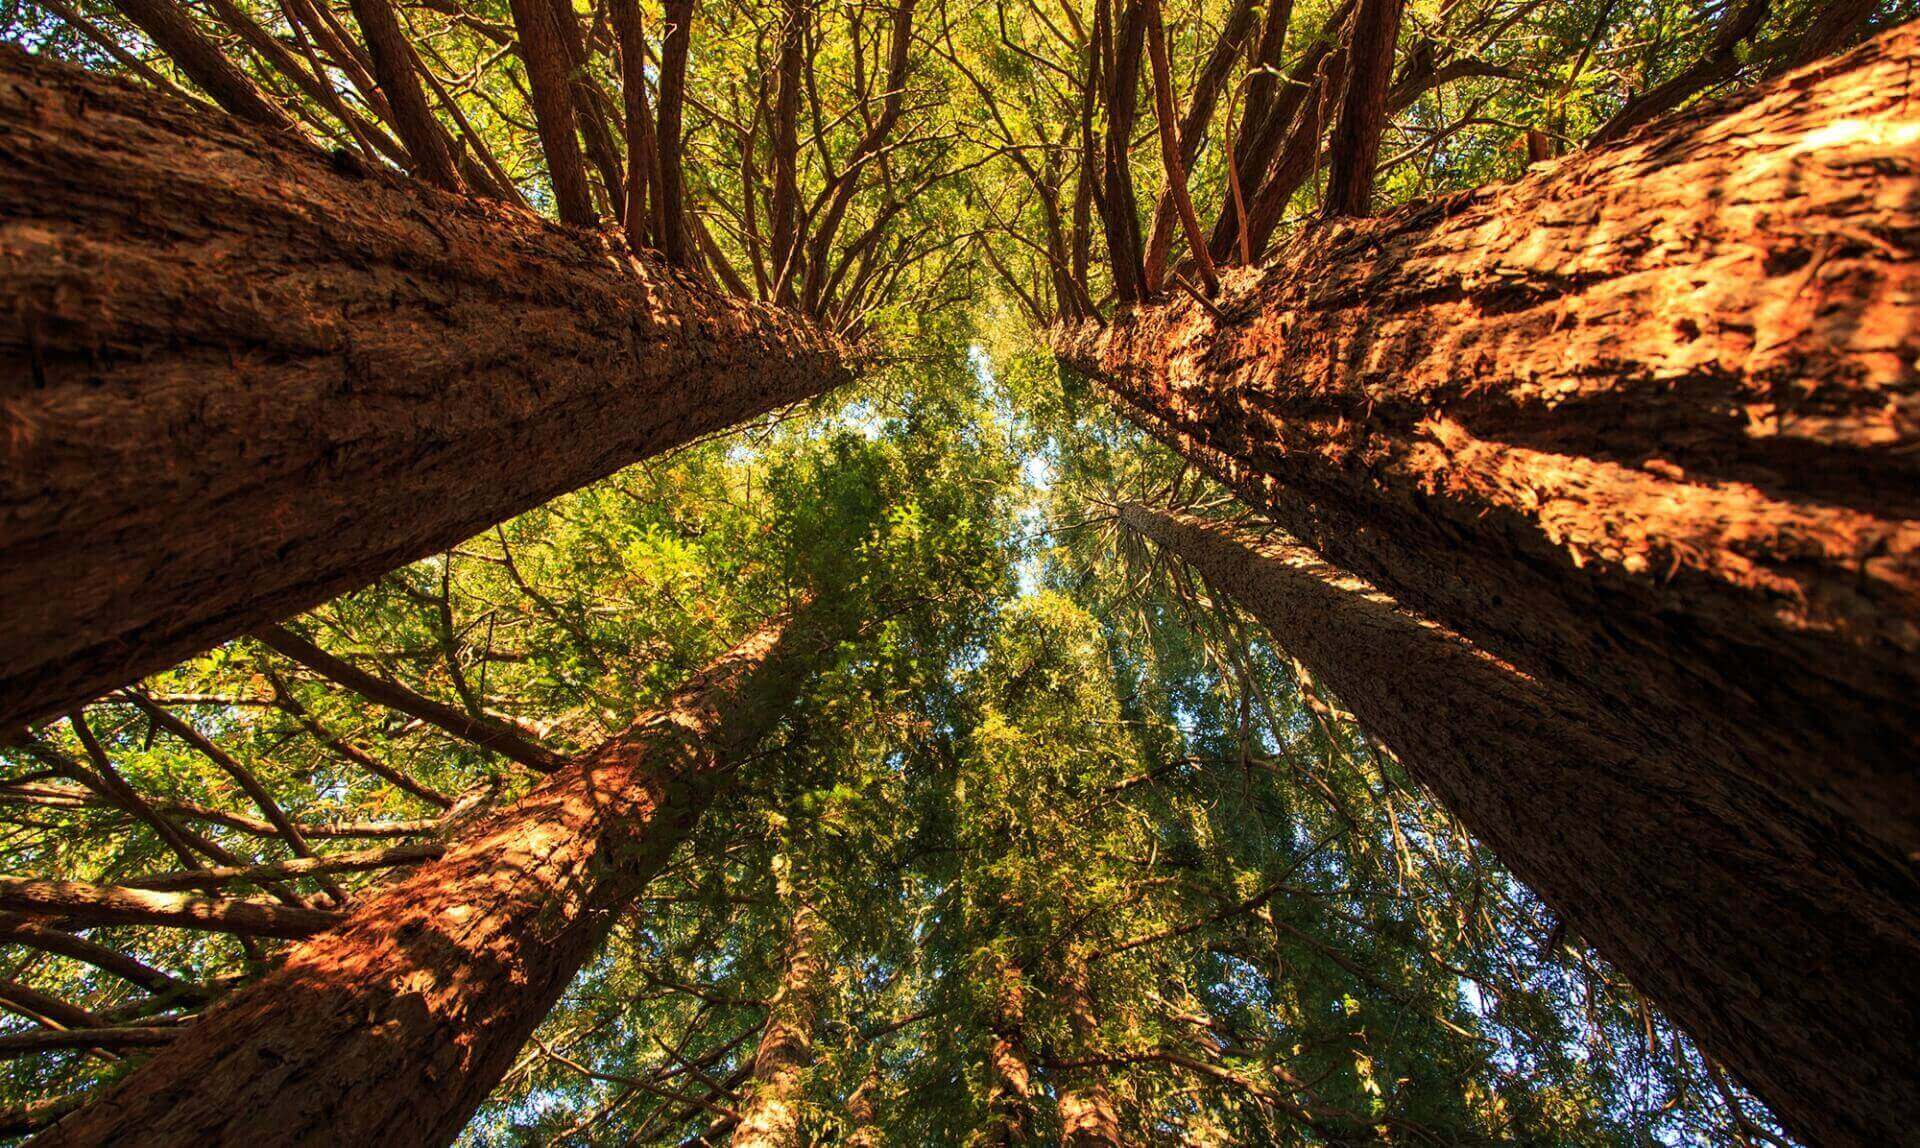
x: 392, y: 1029
x: 237, y: 379
x: 1795, y: 970
x: 1641, y: 427
x: 1645, y: 422
x: 1009, y: 1073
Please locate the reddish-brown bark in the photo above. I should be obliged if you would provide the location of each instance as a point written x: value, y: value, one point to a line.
x: 240, y: 381
x: 393, y: 64
x: 1642, y: 428
x: 1363, y: 112
x: 1088, y: 1118
x: 1743, y: 918
x: 551, y: 88
x: 1010, y: 1117
x: 167, y: 24
x: 393, y: 1028
x: 676, y: 42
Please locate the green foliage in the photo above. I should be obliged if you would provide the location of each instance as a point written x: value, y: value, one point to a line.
x: 1048, y: 756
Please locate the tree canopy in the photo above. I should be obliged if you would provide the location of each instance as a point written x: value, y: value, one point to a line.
x: 1058, y: 842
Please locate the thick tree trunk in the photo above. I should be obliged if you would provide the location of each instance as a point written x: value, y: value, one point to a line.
x: 771, y: 1116
x: 1644, y: 425
x: 1741, y: 917
x: 393, y: 1028
x: 1641, y: 428
x: 240, y: 379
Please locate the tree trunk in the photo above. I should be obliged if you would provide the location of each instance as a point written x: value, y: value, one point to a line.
x: 241, y: 379
x: 1640, y: 427
x: 1643, y: 425
x: 393, y: 1028
x: 1087, y: 1115
x: 1736, y: 914
x: 771, y: 1116
x: 1009, y: 1075
x: 863, y: 1112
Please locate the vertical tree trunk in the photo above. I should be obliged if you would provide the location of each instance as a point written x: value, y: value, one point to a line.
x: 1643, y: 425
x: 1741, y: 918
x: 1009, y: 1075
x: 863, y: 1112
x: 393, y: 1028
x: 1363, y: 113
x: 1087, y: 1115
x: 241, y: 381
x: 1125, y: 31
x: 549, y: 83
x: 771, y: 1116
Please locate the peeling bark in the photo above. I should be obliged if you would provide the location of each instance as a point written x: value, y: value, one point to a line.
x: 240, y: 380
x: 1641, y: 427
x: 393, y: 1029
x: 1730, y: 911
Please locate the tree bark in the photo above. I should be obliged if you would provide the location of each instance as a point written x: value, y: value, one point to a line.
x: 1009, y: 1074
x: 1088, y: 1118
x: 77, y: 901
x: 394, y: 1028
x: 1642, y: 428
x: 549, y: 83
x: 240, y: 381
x: 771, y: 1116
x: 1644, y: 423
x: 1363, y: 113
x: 393, y: 64
x: 1730, y: 911
x: 168, y: 25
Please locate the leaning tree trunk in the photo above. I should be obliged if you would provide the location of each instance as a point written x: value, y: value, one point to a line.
x: 241, y: 378
x: 393, y: 1028
x: 771, y: 1116
x: 1739, y: 916
x: 1644, y: 424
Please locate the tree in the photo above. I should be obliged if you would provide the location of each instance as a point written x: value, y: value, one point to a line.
x: 1631, y: 493
x: 771, y: 1117
x: 1062, y: 843
x: 394, y: 1026
x: 1662, y: 874
x: 349, y: 362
